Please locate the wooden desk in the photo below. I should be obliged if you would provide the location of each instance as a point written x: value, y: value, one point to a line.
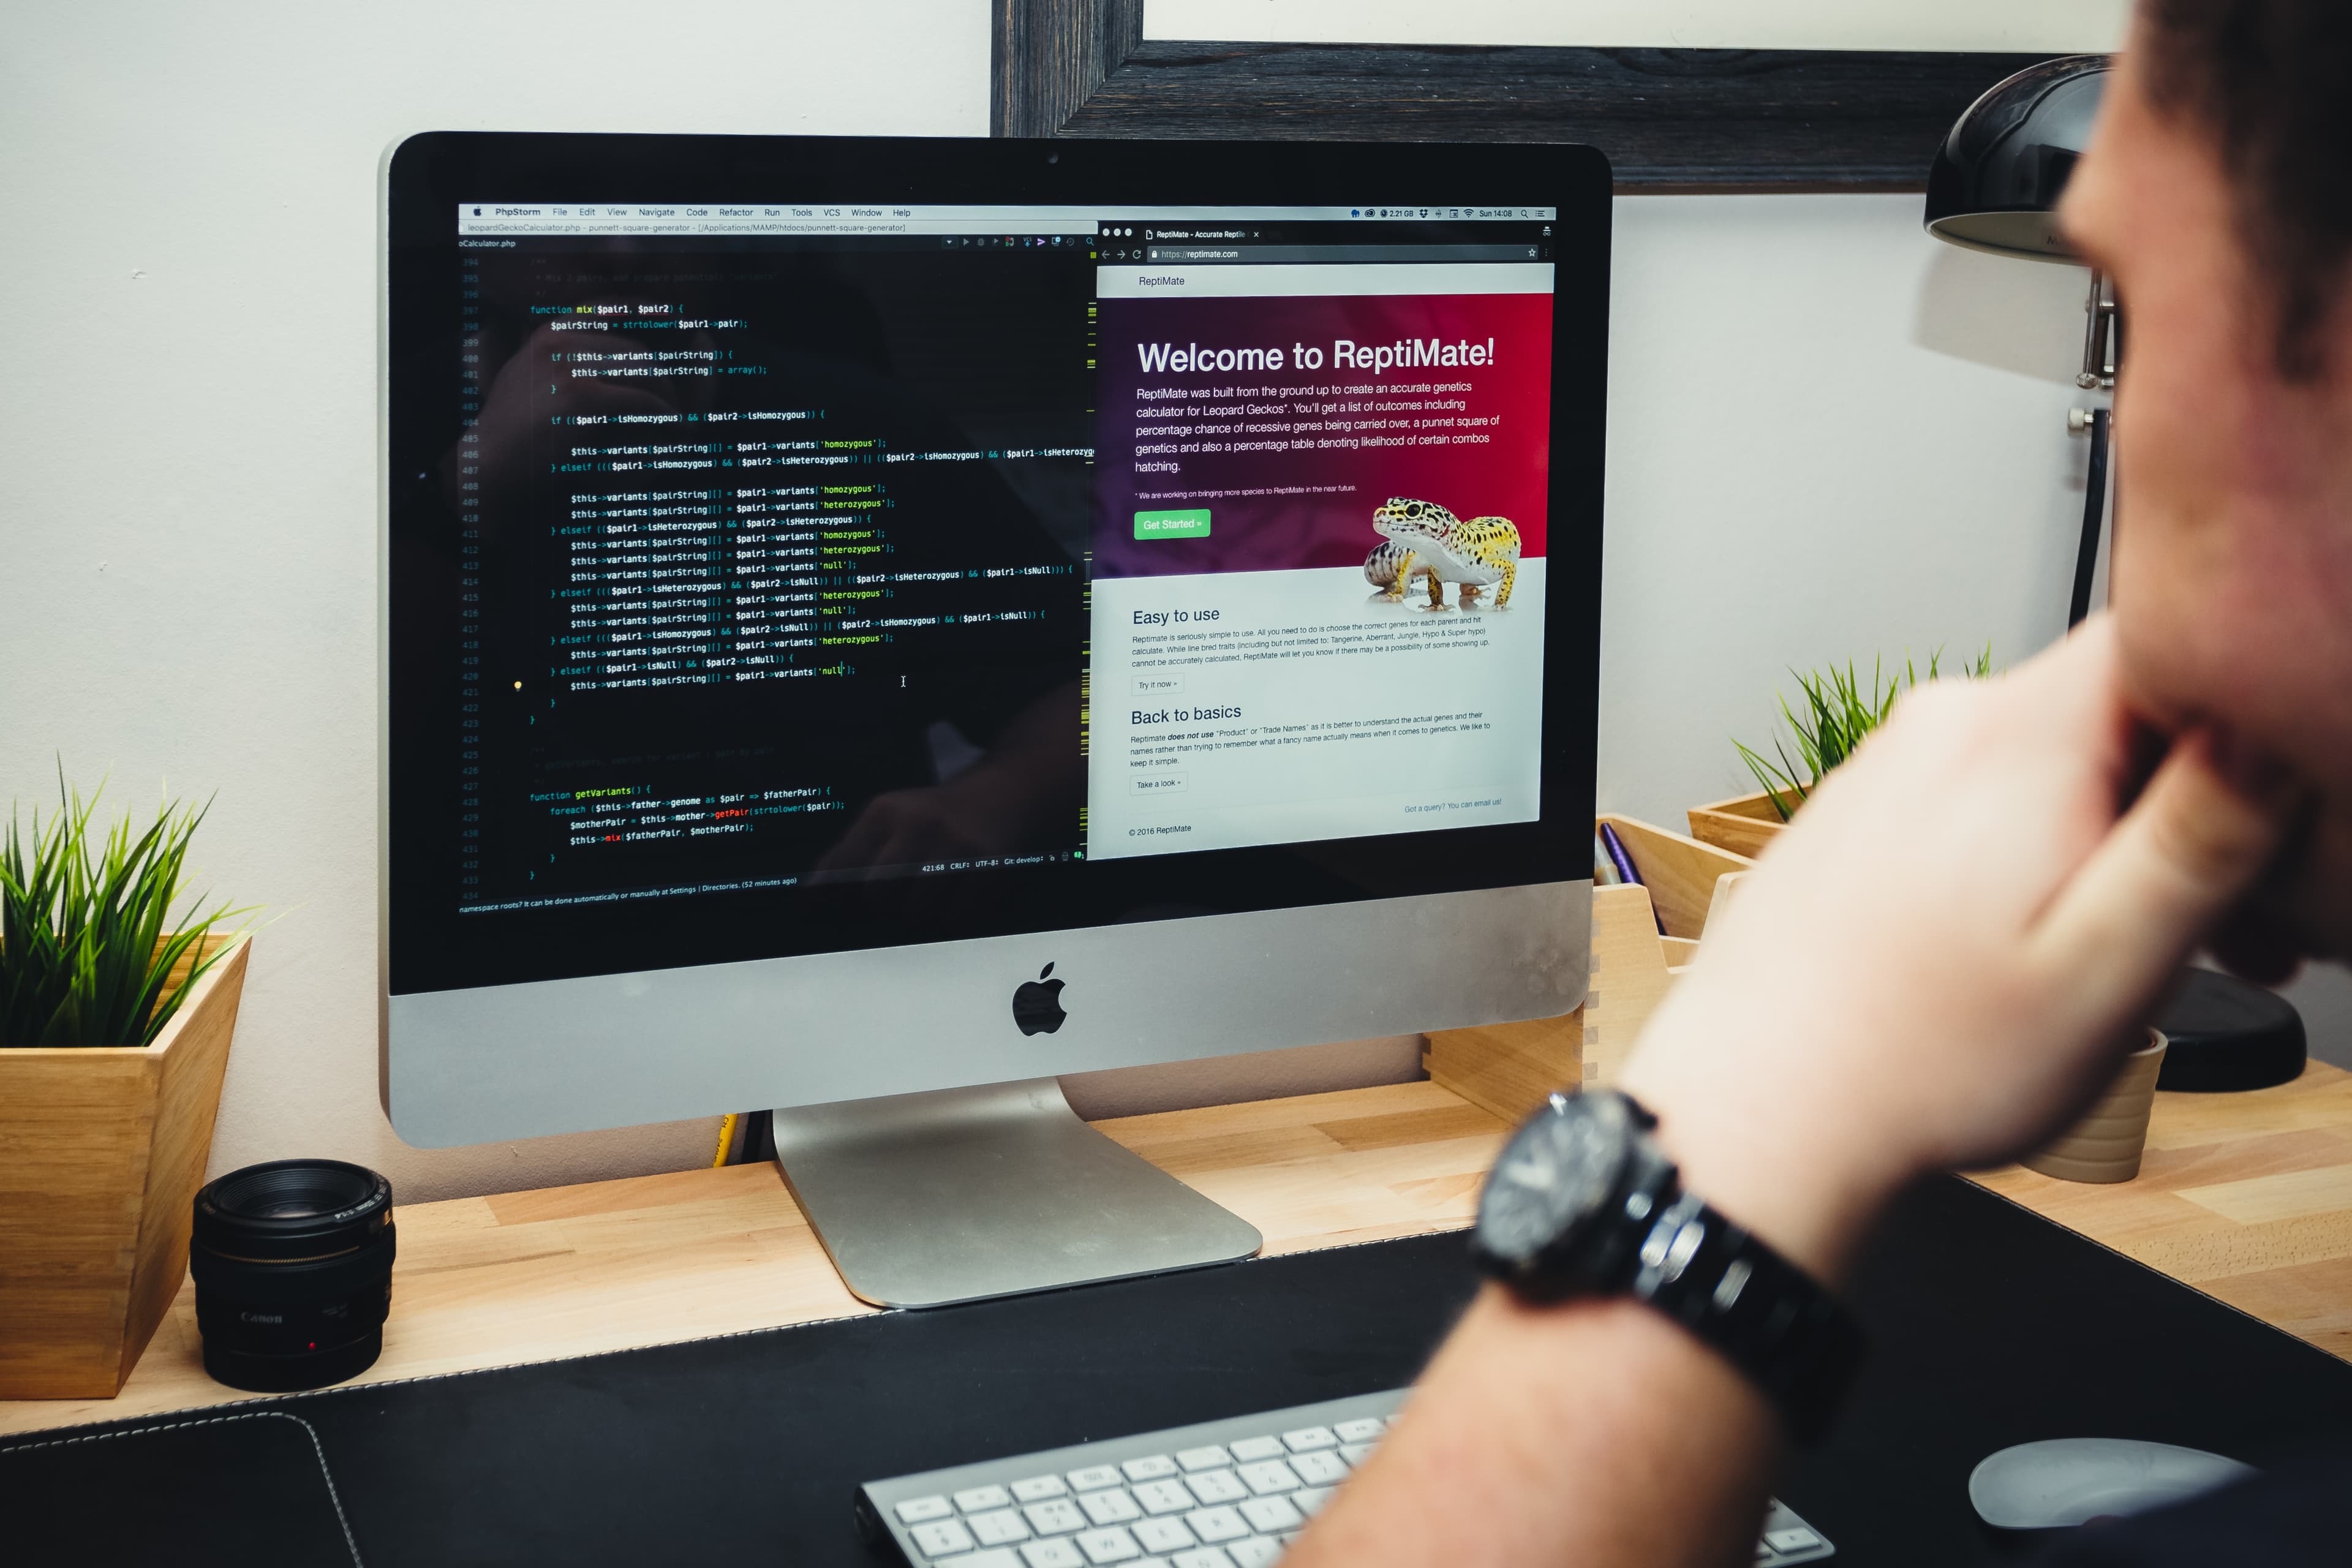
x: 2246, y: 1197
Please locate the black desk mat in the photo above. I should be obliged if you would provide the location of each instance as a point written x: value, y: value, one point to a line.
x: 1991, y: 1326
x: 208, y: 1490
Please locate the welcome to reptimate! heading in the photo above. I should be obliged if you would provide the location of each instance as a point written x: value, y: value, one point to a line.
x: 1406, y: 354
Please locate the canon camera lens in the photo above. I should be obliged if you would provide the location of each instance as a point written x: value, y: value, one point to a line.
x: 293, y: 1269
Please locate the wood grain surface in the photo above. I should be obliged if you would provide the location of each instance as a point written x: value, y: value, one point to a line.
x: 1745, y: 825
x: 2247, y: 1197
x: 102, y: 1152
x: 569, y: 1271
x: 1681, y: 873
x: 1508, y: 1068
x: 1667, y: 118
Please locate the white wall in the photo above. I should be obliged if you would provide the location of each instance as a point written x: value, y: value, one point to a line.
x: 188, y: 430
x: 1827, y: 435
x: 1831, y: 437
x: 2087, y: 26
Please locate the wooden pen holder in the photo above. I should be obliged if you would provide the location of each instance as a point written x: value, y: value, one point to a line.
x: 1640, y: 933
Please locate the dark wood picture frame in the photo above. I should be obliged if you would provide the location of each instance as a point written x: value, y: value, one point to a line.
x: 1703, y: 120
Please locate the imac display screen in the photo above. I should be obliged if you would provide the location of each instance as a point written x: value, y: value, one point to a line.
x: 773, y: 572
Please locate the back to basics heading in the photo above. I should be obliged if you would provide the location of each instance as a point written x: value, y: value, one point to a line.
x: 1406, y: 354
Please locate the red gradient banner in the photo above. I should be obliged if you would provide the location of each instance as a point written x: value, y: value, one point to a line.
x: 1443, y: 398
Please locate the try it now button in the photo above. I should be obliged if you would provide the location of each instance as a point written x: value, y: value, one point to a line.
x: 1172, y: 524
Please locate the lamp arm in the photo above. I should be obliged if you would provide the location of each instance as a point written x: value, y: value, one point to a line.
x: 2094, y: 511
x: 2102, y: 337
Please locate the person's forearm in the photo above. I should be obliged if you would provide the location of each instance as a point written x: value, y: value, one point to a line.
x: 1595, y: 1432
x: 1602, y: 1432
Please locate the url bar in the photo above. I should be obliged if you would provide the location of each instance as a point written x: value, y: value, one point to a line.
x: 489, y: 224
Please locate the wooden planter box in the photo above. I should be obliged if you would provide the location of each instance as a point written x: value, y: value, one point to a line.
x: 1743, y: 825
x: 102, y: 1152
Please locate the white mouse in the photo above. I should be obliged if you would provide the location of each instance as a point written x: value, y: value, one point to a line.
x: 2074, y: 1480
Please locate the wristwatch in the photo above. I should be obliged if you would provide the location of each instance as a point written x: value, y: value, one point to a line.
x: 1584, y: 1203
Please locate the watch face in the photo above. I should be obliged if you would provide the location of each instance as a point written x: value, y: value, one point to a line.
x: 1553, y: 1173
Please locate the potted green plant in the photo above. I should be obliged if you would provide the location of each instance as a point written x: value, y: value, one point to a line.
x: 1834, y: 717
x: 118, y: 995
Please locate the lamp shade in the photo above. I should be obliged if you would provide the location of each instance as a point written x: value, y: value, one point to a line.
x: 1998, y: 176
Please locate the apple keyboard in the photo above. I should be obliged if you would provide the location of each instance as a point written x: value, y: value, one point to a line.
x: 1223, y: 1494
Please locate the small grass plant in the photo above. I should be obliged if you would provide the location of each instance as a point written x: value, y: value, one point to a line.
x: 1837, y: 715
x: 87, y: 937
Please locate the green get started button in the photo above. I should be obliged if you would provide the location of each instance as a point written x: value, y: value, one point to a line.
x: 1172, y: 524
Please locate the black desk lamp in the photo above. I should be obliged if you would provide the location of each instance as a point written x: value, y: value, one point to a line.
x: 1995, y: 183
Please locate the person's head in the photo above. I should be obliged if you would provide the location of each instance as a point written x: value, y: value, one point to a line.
x: 2217, y: 192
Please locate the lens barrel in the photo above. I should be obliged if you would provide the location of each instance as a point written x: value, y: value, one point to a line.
x: 292, y: 1261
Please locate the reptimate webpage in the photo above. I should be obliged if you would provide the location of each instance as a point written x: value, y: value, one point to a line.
x: 821, y: 541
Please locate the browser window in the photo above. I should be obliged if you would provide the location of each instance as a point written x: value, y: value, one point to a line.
x: 1322, y: 461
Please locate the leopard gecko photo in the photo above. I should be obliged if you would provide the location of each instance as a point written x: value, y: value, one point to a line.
x: 1422, y: 539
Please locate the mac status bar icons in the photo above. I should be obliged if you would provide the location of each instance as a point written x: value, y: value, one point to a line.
x: 1449, y: 211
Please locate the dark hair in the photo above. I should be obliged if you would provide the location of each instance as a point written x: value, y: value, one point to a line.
x: 2274, y: 79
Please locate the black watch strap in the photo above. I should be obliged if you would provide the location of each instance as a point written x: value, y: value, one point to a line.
x: 1787, y: 1333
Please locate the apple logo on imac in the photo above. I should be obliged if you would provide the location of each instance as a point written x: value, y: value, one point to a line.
x: 1037, y: 1005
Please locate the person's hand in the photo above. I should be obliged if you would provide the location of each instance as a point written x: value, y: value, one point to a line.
x: 1944, y: 959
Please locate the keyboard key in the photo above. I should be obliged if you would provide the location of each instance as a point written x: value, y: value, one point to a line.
x: 1052, y: 1554
x: 1059, y: 1517
x: 1366, y: 1430
x: 1354, y: 1453
x: 1269, y: 1514
x: 1163, y: 1535
x: 1272, y: 1476
x: 1037, y: 1488
x: 1307, y: 1500
x: 1112, y: 1545
x: 1002, y: 1527
x: 1255, y: 1552
x: 1216, y: 1525
x: 1203, y: 1557
x: 1216, y: 1487
x: 1151, y: 1469
x: 999, y: 1558
x: 1094, y: 1478
x: 1307, y: 1439
x: 1165, y: 1497
x: 1317, y: 1470
x: 1109, y: 1508
x: 981, y: 1500
x: 1213, y: 1457
x: 1794, y: 1540
x: 1248, y: 1448
x: 918, y: 1509
x: 943, y: 1538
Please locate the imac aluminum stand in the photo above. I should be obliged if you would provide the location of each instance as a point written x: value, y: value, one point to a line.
x: 926, y: 1200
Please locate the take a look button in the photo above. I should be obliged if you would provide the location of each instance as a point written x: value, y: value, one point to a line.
x: 1172, y: 524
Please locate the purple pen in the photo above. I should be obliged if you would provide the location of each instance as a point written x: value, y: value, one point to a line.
x: 1617, y: 855
x: 1626, y: 869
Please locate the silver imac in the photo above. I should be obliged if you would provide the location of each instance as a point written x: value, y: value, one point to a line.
x: 871, y: 626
